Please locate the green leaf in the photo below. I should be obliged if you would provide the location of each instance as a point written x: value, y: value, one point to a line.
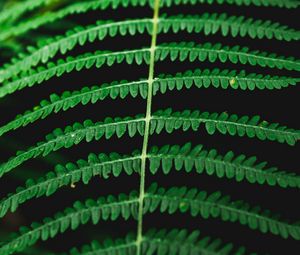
x: 232, y: 124
x: 215, y: 52
x: 71, y: 136
x: 69, y: 64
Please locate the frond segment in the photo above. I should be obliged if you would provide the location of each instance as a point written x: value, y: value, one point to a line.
x: 75, y: 8
x: 165, y: 201
x: 175, y: 51
x: 228, y: 26
x: 208, y: 23
x: 223, y: 123
x: 101, y: 165
x: 199, y: 203
x: 70, y: 100
x: 179, y: 158
x: 220, y: 79
x: 85, y: 61
x: 73, y: 135
x: 212, y: 53
x: 47, y: 49
x: 266, y: 3
x: 110, y: 208
x: 16, y: 10
x: 201, y: 79
x: 161, y: 120
x: 187, y: 158
x: 162, y: 242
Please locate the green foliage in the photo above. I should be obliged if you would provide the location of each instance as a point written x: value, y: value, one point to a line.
x: 224, y: 79
x: 110, y: 208
x: 161, y: 120
x: 215, y: 205
x: 83, y: 170
x: 85, y: 61
x: 278, y: 3
x: 75, y: 8
x: 162, y: 242
x: 52, y: 57
x: 83, y: 7
x: 174, y: 51
x: 192, y: 201
x: 212, y: 52
x: 167, y: 157
x: 16, y: 10
x: 232, y: 25
x: 228, y: 166
x: 209, y: 23
x: 48, y: 48
x: 71, y: 99
x: 223, y: 123
x: 201, y: 79
x: 73, y: 135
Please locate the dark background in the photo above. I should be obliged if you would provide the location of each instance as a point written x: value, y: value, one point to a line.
x: 275, y: 106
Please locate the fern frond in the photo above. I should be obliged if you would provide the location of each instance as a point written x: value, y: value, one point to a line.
x: 166, y: 201
x: 47, y: 49
x: 110, y: 208
x: 267, y: 3
x: 200, y: 79
x: 161, y: 242
x: 124, y: 246
x: 69, y: 100
x: 228, y: 166
x: 220, y: 79
x: 192, y: 52
x: 162, y: 119
x: 85, y: 61
x: 180, y: 241
x: 72, y: 135
x: 209, y: 23
x: 83, y: 7
x: 75, y: 8
x: 179, y: 158
x: 223, y: 123
x: 217, y: 206
x: 83, y: 170
x: 175, y: 51
x: 16, y: 10
x: 29, y: 22
x: 227, y: 25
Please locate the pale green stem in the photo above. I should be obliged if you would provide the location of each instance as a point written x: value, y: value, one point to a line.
x: 147, y: 128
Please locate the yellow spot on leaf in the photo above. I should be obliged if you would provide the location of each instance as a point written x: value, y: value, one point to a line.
x: 182, y: 204
x: 36, y: 107
x: 232, y: 81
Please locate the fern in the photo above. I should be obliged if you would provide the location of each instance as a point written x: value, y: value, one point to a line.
x: 17, y: 10
x: 94, y: 5
x: 161, y: 120
x: 162, y: 83
x: 55, y: 55
x: 279, y: 3
x: 174, y: 51
x: 49, y: 48
x: 76, y: 8
x: 211, y: 24
x: 182, y: 158
x: 183, y: 51
x: 160, y: 242
x: 175, y: 199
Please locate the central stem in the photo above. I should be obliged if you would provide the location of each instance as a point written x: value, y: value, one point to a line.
x: 147, y: 127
